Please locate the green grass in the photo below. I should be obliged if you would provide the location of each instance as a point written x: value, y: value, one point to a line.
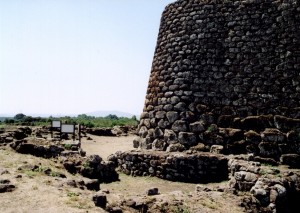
x: 72, y: 194
x: 67, y: 146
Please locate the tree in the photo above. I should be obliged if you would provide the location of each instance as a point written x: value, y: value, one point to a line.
x: 134, y: 118
x: 19, y: 116
x: 113, y: 117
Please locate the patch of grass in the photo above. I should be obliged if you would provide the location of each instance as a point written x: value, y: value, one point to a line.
x: 40, y: 169
x: 30, y: 174
x: 211, y: 204
x: 83, y: 205
x: 76, y: 201
x: 181, y: 209
x: 72, y: 194
x: 86, y: 165
x: 68, y: 146
x: 54, y: 174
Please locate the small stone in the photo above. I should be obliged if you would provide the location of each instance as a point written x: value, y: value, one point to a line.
x: 6, y: 188
x: 152, y: 191
x: 100, y: 200
x: 4, y: 171
x: 92, y: 184
x: 216, y: 149
x: 131, y: 203
x: 4, y: 181
x: 116, y: 209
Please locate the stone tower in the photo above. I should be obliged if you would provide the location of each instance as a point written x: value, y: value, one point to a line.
x: 225, y: 72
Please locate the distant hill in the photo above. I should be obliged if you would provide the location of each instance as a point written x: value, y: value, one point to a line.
x: 106, y: 113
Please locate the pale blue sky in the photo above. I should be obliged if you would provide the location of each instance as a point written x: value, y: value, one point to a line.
x: 76, y: 56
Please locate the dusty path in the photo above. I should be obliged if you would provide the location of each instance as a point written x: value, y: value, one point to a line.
x: 104, y: 146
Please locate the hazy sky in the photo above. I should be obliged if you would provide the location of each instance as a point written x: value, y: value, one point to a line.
x: 76, y: 56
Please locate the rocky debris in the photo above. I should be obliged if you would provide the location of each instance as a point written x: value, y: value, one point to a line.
x: 86, y: 183
x: 5, y: 186
x: 270, y: 189
x: 10, y: 135
x: 92, y: 167
x: 100, y: 199
x: 41, y: 169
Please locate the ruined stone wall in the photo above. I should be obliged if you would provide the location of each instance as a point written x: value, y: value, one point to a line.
x: 218, y: 62
x: 199, y: 168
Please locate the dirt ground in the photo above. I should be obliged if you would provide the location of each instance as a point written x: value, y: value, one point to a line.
x: 37, y: 192
x: 104, y: 146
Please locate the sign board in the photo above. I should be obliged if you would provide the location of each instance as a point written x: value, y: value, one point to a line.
x: 56, y: 124
x: 68, y: 128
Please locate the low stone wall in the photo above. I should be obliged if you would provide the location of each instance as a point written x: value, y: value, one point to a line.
x: 199, y: 167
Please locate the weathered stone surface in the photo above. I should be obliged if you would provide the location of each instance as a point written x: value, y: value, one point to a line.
x: 6, y: 188
x: 293, y: 160
x: 92, y: 184
x: 100, y: 199
x: 152, y: 191
x: 216, y: 149
x: 273, y: 135
x: 268, y: 149
x: 179, y: 126
x: 200, y: 167
x: 136, y: 142
x: 197, y: 127
x: 188, y: 139
x: 170, y: 136
x: 172, y: 116
x: 158, y: 144
x: 227, y: 71
x: 175, y: 148
x: 252, y: 137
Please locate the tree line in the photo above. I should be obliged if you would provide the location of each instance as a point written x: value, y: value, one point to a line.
x: 83, y: 119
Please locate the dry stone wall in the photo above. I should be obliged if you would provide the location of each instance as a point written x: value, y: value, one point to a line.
x: 199, y: 168
x: 226, y: 64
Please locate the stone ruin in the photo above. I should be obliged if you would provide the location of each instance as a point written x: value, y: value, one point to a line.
x: 225, y: 77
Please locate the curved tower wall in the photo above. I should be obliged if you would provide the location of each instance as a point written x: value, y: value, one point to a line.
x: 217, y: 63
